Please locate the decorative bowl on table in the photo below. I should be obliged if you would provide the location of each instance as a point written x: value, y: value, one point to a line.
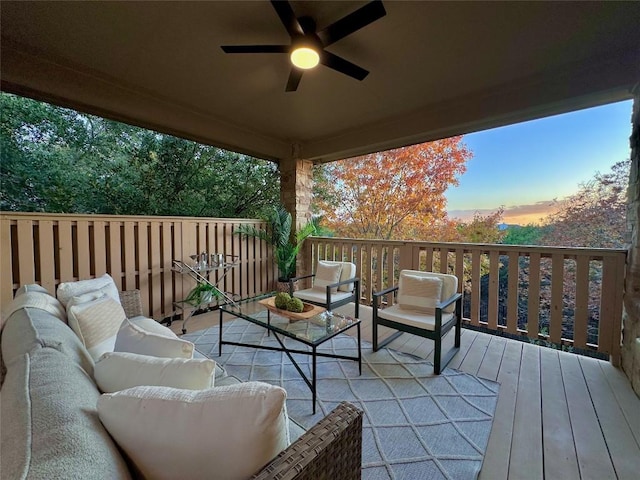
x: 309, y: 310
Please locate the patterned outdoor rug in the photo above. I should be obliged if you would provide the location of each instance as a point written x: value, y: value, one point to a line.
x: 416, y: 425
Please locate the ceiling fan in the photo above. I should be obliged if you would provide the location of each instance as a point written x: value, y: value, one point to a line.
x: 307, y: 47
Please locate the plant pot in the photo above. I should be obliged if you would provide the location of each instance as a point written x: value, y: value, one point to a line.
x: 284, y: 286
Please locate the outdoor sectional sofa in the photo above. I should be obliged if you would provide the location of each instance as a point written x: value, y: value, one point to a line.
x: 51, y: 427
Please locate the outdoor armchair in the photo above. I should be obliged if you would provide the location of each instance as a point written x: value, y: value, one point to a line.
x: 334, y: 284
x: 421, y: 310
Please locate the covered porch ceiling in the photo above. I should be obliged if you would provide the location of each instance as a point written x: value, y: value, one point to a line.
x: 436, y: 69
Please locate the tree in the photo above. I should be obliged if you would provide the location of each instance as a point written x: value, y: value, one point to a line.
x: 595, y: 216
x: 57, y: 160
x: 394, y: 194
x: 524, y: 235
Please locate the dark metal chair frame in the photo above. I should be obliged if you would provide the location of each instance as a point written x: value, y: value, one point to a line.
x: 436, y: 335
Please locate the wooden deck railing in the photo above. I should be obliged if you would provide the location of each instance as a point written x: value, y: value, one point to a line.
x: 569, y: 296
x: 136, y: 251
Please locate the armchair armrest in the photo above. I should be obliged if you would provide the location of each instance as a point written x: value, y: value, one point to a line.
x: 356, y: 290
x: 444, y: 304
x: 344, y: 282
x: 293, y: 279
x: 384, y: 292
x: 330, y: 449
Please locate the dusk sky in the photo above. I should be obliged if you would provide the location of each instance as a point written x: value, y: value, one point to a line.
x: 523, y: 167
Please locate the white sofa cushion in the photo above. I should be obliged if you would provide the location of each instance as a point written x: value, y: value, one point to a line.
x: 68, y: 290
x: 116, y: 371
x: 35, y: 299
x: 420, y: 293
x: 327, y: 274
x: 96, y: 323
x: 134, y: 338
x: 222, y: 432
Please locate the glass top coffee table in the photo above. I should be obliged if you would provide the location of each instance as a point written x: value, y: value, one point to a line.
x: 311, y: 332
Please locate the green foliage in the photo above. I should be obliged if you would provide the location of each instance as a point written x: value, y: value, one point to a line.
x: 524, y: 235
x: 278, y: 235
x: 57, y: 160
x: 295, y: 305
x: 202, y: 293
x: 281, y: 300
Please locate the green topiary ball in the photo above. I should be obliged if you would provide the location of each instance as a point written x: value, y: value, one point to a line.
x: 295, y: 305
x: 282, y: 299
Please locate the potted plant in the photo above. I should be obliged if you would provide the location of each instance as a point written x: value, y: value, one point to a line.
x: 278, y: 235
x: 202, y: 294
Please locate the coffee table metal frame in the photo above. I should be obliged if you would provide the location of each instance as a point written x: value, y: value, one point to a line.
x: 236, y: 310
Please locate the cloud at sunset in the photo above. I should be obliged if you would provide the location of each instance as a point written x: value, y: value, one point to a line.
x: 516, y: 214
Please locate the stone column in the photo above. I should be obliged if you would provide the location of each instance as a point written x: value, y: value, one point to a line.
x: 631, y: 312
x: 296, y: 184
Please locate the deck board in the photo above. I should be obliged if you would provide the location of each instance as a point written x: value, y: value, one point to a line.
x: 591, y: 448
x: 526, y: 444
x: 560, y: 458
x: 498, y: 454
x: 558, y: 415
x: 621, y: 443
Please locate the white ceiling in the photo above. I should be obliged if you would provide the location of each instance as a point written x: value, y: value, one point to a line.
x: 437, y: 69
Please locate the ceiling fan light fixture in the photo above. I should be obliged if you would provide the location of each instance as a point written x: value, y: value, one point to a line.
x: 305, y: 57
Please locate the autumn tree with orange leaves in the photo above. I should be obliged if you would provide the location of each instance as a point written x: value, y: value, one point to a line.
x: 397, y: 194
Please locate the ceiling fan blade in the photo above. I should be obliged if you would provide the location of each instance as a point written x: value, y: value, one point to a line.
x: 330, y: 60
x: 287, y: 17
x: 255, y: 48
x: 294, y: 80
x: 362, y: 17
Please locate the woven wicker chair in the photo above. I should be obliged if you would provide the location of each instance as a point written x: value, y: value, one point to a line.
x: 331, y: 449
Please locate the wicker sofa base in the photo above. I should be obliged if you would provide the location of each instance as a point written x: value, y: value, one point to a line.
x: 331, y: 450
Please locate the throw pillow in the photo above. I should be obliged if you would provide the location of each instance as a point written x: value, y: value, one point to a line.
x: 152, y: 326
x: 222, y: 432
x: 135, y: 339
x: 420, y: 293
x: 327, y: 274
x: 68, y: 290
x: 96, y: 323
x: 32, y: 287
x: 117, y: 371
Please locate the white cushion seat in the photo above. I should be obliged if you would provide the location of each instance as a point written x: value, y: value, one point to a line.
x: 413, y: 317
x: 320, y: 296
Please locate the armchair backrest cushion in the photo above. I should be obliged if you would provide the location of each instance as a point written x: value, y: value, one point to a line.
x: 327, y: 273
x: 348, y: 270
x: 449, y: 285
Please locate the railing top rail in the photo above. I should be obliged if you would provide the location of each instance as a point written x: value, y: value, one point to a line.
x: 122, y: 218
x: 470, y: 247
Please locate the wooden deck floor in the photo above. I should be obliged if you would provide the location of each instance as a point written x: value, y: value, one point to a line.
x: 559, y: 415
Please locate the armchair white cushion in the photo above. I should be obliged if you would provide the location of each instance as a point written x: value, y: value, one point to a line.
x: 327, y: 274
